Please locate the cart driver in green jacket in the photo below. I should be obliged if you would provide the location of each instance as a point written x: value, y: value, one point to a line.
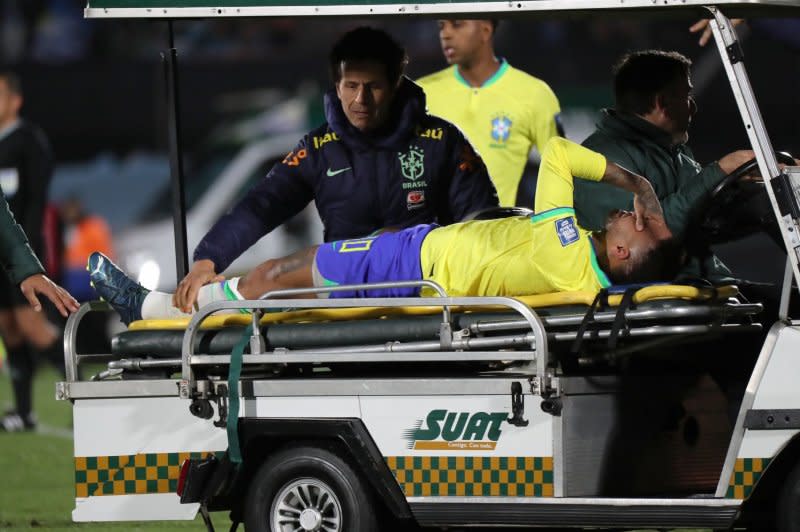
x: 646, y: 132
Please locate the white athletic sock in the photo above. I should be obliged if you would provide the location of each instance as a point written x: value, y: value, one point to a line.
x: 158, y: 305
x: 223, y: 291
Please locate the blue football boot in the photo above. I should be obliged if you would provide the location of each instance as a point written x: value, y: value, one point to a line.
x: 125, y: 295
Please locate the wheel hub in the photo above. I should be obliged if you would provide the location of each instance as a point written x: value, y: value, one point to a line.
x: 310, y: 519
x: 308, y: 505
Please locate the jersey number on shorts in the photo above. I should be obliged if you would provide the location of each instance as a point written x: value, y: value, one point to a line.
x: 356, y: 245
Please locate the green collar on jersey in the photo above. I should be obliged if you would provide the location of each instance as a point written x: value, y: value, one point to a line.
x: 504, y: 66
x: 601, y: 275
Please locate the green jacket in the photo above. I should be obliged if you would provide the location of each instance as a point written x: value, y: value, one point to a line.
x: 16, y: 256
x: 680, y: 182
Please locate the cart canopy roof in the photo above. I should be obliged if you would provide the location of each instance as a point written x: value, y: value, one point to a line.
x: 548, y: 8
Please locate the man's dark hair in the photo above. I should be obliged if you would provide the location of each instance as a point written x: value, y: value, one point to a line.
x: 661, y: 262
x: 640, y: 76
x: 368, y: 44
x: 12, y: 80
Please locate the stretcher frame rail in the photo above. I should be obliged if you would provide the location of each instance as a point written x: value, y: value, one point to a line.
x: 536, y: 359
x: 526, y: 335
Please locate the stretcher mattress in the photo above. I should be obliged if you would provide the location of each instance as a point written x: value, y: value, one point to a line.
x: 653, y: 309
x: 538, y: 302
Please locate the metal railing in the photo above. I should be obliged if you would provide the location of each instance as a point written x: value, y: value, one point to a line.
x: 450, y: 347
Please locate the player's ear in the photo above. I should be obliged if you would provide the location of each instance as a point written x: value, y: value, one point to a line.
x: 620, y: 251
x: 487, y: 29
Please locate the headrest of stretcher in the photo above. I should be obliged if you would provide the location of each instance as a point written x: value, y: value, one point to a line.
x: 555, y: 299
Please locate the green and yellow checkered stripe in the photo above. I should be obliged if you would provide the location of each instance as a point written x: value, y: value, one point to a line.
x: 511, y: 476
x: 746, y: 473
x: 129, y: 474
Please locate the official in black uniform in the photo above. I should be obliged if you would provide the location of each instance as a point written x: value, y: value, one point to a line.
x: 26, y: 166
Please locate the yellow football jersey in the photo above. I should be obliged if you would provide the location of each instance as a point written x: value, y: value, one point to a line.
x: 543, y: 253
x: 503, y: 119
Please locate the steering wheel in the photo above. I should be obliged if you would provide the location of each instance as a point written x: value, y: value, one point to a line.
x: 739, y: 208
x: 732, y: 178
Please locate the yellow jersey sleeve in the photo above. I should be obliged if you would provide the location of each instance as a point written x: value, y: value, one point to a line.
x: 561, y: 161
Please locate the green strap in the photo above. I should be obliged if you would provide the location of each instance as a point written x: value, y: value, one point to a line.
x: 234, y: 372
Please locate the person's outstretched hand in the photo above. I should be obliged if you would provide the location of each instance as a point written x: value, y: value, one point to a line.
x: 202, y: 273
x: 41, y: 284
x: 704, y: 26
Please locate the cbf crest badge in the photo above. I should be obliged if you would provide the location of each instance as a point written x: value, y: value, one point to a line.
x: 501, y: 128
x: 412, y: 163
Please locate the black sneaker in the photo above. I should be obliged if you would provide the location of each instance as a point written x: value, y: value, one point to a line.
x: 112, y: 285
x: 13, y: 422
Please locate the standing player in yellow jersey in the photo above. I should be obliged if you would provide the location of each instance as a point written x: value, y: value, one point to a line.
x: 503, y: 112
x: 545, y: 252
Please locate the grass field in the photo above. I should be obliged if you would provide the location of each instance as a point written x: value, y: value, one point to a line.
x: 37, y: 485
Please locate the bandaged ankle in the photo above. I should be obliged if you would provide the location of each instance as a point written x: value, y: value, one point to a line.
x: 158, y: 305
x: 222, y: 291
x: 231, y: 287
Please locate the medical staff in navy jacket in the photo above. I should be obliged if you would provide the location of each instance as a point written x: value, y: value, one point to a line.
x: 380, y: 161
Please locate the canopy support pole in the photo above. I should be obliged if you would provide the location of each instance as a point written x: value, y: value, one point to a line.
x: 169, y: 59
x: 779, y: 188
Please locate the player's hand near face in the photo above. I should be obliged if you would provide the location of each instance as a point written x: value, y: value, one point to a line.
x: 645, y: 201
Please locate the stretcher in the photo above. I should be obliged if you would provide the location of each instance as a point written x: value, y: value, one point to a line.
x: 492, y: 333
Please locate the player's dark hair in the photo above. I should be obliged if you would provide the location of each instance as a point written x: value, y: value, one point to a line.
x: 368, y: 44
x: 661, y: 262
x: 640, y: 76
x: 12, y: 80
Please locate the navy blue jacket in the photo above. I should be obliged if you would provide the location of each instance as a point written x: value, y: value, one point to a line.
x: 421, y: 170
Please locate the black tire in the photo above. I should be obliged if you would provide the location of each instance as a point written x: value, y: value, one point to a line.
x: 788, y: 509
x: 311, y: 472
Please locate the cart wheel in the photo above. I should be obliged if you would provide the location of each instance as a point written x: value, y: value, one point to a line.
x: 789, y: 502
x: 306, y: 489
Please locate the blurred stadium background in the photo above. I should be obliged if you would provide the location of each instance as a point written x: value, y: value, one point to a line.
x: 96, y: 88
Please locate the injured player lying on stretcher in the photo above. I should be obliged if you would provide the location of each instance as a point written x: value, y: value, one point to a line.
x: 524, y: 255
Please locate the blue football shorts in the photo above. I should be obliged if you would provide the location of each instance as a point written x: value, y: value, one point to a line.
x: 383, y: 258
